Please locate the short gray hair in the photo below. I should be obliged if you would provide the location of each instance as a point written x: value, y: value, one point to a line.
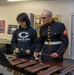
x: 48, y: 12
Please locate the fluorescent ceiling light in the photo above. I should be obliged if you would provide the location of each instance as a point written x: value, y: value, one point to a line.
x: 15, y: 0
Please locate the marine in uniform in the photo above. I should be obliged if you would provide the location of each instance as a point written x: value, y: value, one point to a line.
x: 53, y: 40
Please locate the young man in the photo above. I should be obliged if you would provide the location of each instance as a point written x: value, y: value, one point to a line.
x: 53, y: 40
x: 24, y: 39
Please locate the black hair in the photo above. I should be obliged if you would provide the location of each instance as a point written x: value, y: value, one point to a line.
x: 23, y: 17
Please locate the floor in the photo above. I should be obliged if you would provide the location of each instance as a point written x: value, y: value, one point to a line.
x: 4, y: 71
x: 69, y: 61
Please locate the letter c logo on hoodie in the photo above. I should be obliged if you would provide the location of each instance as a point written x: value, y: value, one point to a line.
x: 23, y: 35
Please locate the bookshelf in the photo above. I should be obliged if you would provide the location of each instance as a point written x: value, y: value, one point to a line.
x: 38, y: 23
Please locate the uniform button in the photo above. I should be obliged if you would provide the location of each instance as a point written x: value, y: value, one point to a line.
x: 59, y: 54
x: 48, y: 32
x: 48, y: 36
x: 64, y: 49
x: 55, y: 33
x: 48, y: 29
x: 49, y: 39
x: 61, y: 51
x: 48, y: 26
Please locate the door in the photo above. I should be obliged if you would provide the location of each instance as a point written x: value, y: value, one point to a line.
x: 72, y: 37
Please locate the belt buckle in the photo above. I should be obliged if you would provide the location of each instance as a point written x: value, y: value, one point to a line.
x: 49, y: 43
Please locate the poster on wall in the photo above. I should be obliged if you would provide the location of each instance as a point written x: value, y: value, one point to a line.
x: 12, y: 28
x: 2, y: 26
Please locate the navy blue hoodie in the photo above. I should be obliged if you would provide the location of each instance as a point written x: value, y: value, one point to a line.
x: 24, y: 39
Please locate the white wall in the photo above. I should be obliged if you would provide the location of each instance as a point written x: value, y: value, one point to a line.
x: 8, y: 12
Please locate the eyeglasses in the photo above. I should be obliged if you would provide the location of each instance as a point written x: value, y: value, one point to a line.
x: 43, y: 18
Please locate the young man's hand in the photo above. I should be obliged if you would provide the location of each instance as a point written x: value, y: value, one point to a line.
x: 28, y: 51
x: 16, y: 50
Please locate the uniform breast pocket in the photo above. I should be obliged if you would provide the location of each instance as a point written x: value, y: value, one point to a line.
x: 55, y: 35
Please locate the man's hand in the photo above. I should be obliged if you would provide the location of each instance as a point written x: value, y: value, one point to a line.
x: 36, y: 54
x: 54, y: 55
x: 28, y: 51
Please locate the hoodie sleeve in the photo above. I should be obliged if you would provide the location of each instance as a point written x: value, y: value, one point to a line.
x: 14, y: 41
